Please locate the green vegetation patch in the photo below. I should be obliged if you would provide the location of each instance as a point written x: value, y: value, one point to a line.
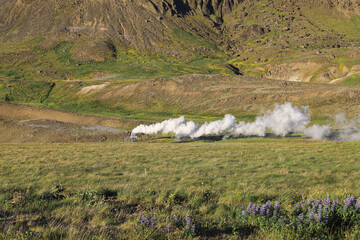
x: 23, y: 91
x: 353, y: 80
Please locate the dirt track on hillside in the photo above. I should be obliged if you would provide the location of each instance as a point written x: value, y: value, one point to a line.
x: 22, y: 112
x: 19, y: 123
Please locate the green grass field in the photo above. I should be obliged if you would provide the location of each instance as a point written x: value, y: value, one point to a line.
x: 98, y: 190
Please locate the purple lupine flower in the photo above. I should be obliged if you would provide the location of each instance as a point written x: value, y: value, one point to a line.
x: 263, y: 210
x: 144, y: 220
x: 301, y: 204
x: 254, y: 207
x: 327, y: 201
x: 348, y: 202
x: 319, y: 209
x: 333, y: 205
x: 175, y: 219
x: 268, y: 212
x: 311, y: 216
x: 168, y: 228
x: 274, y: 216
x: 277, y: 206
x: 153, y: 220
x: 357, y: 205
x: 243, y: 213
x: 188, y: 223
x: 268, y: 204
x: 193, y: 229
x: 325, y: 209
x: 301, y: 218
x: 316, y: 203
x: 296, y: 206
x: 254, y: 214
x: 326, y: 219
x: 318, y: 218
x: 249, y: 208
x: 308, y: 201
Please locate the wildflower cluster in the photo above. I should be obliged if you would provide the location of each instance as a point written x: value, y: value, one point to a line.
x: 327, y: 211
x: 311, y: 216
x: 261, y: 214
x: 146, y: 225
x: 185, y: 223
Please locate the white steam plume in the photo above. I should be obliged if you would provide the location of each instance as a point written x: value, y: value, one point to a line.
x: 284, y: 119
x: 164, y: 127
x: 281, y: 121
x: 349, y: 130
x: 317, y: 132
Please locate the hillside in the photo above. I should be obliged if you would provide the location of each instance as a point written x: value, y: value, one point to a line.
x: 299, y: 40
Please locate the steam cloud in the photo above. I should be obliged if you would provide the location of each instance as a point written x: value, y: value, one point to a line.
x: 349, y: 130
x: 281, y: 121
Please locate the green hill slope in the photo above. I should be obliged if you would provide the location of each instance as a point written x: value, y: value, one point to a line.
x: 145, y: 39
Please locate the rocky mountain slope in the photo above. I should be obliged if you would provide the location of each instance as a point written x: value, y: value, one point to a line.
x: 298, y: 40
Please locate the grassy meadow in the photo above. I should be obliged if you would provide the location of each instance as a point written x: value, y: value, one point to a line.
x: 171, y: 189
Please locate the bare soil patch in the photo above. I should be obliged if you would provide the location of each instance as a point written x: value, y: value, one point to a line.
x: 19, y: 123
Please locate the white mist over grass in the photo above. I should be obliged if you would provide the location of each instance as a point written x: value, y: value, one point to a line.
x: 281, y: 121
x: 317, y: 132
x: 349, y: 130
